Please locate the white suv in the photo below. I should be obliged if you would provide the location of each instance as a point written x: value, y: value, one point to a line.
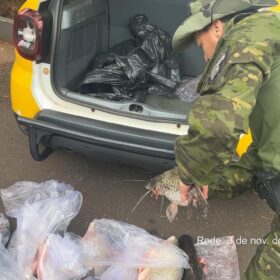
x: 57, y: 42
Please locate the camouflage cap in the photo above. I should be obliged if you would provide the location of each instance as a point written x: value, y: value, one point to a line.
x: 204, y: 12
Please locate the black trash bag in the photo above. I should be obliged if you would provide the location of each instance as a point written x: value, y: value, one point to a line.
x: 161, y: 85
x: 108, y: 57
x: 119, y: 80
x: 135, y: 67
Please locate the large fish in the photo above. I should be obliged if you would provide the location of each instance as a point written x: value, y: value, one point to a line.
x: 165, y: 253
x: 195, y: 272
x: 166, y: 184
x: 166, y: 273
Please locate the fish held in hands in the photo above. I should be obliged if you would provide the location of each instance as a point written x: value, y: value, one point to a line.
x: 167, y: 184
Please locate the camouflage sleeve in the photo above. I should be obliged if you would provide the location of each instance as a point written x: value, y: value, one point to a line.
x: 215, y: 124
x: 237, y: 177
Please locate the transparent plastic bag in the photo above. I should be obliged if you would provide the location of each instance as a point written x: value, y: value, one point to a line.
x: 40, y: 209
x: 221, y: 258
x: 67, y: 257
x: 12, y: 246
x: 8, y: 266
x: 118, y: 272
x: 16, y: 195
x: 4, y: 230
x: 187, y: 89
x: 126, y: 248
x: 49, y: 216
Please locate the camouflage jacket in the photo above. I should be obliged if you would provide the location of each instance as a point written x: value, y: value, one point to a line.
x: 239, y: 89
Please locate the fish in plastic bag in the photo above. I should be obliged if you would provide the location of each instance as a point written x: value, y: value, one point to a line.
x: 130, y: 249
x: 50, y: 206
x: 117, y: 272
x: 67, y: 257
x: 166, y: 273
x: 221, y: 258
x: 94, y: 237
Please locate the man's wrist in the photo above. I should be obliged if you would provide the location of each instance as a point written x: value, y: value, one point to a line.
x: 184, y: 179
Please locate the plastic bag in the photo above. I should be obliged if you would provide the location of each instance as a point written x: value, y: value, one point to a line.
x: 187, y: 89
x: 40, y: 209
x: 15, y: 196
x: 147, y: 62
x: 124, y: 248
x: 118, y: 272
x: 120, y: 79
x: 221, y: 258
x: 12, y: 246
x: 68, y: 257
x: 8, y: 266
x: 4, y: 229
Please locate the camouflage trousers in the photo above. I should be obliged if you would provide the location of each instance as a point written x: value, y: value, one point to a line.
x: 265, y: 265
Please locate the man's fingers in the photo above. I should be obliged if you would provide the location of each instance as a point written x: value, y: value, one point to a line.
x: 184, y: 196
x: 184, y: 191
x: 155, y: 194
x: 204, y: 190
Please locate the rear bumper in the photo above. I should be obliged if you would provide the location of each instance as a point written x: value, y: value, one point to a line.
x: 98, y: 139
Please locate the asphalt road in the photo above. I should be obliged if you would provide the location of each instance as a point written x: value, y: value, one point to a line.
x: 105, y: 195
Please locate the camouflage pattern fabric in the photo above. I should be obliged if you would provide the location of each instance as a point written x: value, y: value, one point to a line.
x: 202, y: 12
x: 265, y: 263
x: 240, y: 89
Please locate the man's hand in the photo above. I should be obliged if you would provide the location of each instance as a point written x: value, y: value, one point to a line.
x: 184, y: 191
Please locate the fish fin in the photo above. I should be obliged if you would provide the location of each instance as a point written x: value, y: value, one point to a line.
x: 197, y: 200
x: 140, y: 200
x: 145, y: 273
x: 171, y: 212
x: 202, y: 203
x: 172, y: 240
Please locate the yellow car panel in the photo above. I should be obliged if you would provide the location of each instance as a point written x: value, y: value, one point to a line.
x: 277, y: 8
x: 23, y: 102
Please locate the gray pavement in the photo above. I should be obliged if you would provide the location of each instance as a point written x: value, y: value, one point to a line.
x: 106, y: 196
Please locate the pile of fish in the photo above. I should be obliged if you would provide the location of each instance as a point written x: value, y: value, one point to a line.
x: 108, y: 250
x: 41, y: 248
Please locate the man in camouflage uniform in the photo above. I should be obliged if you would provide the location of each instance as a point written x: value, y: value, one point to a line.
x: 239, y: 90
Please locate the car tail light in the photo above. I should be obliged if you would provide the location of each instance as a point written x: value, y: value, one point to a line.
x: 28, y: 34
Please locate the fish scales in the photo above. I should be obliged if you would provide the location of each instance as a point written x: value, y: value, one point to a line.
x: 163, y: 273
x: 167, y: 184
x: 171, y: 273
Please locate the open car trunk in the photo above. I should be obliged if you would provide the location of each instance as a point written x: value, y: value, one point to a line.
x: 92, y: 27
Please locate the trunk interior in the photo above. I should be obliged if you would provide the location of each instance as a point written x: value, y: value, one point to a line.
x: 91, y: 27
